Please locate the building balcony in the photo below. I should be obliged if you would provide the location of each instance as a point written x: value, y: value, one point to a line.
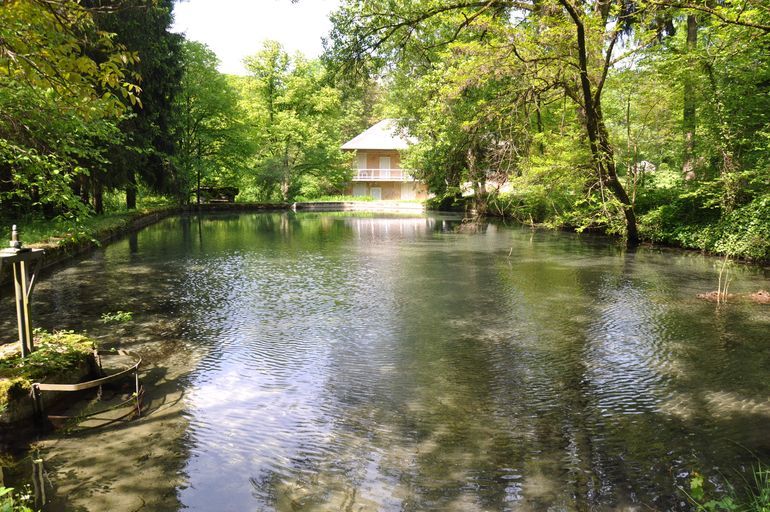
x: 381, y: 175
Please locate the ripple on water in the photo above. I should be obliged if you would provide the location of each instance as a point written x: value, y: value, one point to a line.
x: 392, y: 364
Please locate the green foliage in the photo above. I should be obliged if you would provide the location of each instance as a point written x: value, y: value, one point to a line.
x: 743, y: 232
x: 452, y: 201
x: 119, y: 317
x: 59, y: 104
x: 298, y: 122
x: 213, y: 145
x: 115, y: 201
x: 754, y: 496
x: 13, y: 501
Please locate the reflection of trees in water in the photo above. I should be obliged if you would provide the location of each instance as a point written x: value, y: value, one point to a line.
x: 640, y: 345
x: 421, y: 424
x: 459, y: 371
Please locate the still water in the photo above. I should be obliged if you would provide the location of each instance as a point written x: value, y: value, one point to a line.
x: 341, y: 362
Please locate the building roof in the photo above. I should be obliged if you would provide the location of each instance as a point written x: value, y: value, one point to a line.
x: 383, y: 135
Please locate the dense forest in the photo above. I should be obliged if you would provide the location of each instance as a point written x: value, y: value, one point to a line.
x: 648, y: 119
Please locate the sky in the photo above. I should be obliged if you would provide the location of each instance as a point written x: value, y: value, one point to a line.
x: 234, y: 29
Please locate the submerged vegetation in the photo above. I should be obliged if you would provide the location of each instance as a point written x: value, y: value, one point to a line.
x: 117, y: 317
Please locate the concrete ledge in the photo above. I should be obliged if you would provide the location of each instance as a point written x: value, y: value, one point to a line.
x: 56, y: 254
x: 64, y: 252
x: 361, y: 206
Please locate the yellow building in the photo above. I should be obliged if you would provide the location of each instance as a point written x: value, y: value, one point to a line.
x: 377, y: 165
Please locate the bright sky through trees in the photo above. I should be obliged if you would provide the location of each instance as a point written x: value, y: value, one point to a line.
x: 234, y: 29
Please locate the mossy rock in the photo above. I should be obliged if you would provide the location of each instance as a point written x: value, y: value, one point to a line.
x: 61, y: 357
x: 13, y: 390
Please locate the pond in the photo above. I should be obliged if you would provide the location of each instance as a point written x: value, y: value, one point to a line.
x: 330, y: 361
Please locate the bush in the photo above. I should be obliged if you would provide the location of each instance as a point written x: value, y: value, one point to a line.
x: 742, y: 233
x: 449, y: 202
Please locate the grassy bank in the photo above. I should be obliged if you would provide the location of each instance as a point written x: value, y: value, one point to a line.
x: 680, y: 220
x: 50, y: 232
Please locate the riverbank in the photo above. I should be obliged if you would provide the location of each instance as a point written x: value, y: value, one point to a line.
x: 70, y: 242
x: 743, y: 234
x: 63, y: 246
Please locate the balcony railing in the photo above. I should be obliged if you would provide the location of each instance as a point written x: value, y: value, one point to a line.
x: 381, y: 175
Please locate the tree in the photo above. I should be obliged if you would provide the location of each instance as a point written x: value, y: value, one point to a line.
x: 146, y: 154
x: 57, y: 103
x: 296, y: 121
x: 211, y: 142
x: 468, y: 131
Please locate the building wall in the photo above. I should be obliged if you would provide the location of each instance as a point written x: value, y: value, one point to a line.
x: 373, y: 158
x: 390, y: 190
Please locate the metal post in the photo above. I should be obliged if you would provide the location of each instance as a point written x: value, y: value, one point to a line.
x: 21, y: 285
x: 138, y: 398
x: 37, y: 403
x: 22, y: 260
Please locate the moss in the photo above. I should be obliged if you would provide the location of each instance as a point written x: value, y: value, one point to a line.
x: 58, y: 356
x: 13, y: 389
x: 54, y: 353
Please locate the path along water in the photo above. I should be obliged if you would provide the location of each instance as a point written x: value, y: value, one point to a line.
x: 322, y: 361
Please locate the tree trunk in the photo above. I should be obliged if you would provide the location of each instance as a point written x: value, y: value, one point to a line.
x: 98, y: 197
x: 478, y: 180
x: 606, y: 157
x: 131, y: 191
x: 286, y: 181
x: 198, y: 187
x: 598, y: 137
x: 75, y: 186
x: 540, y: 129
x: 84, y: 189
x: 688, y: 117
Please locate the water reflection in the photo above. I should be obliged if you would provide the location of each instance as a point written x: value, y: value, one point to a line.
x: 365, y: 362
